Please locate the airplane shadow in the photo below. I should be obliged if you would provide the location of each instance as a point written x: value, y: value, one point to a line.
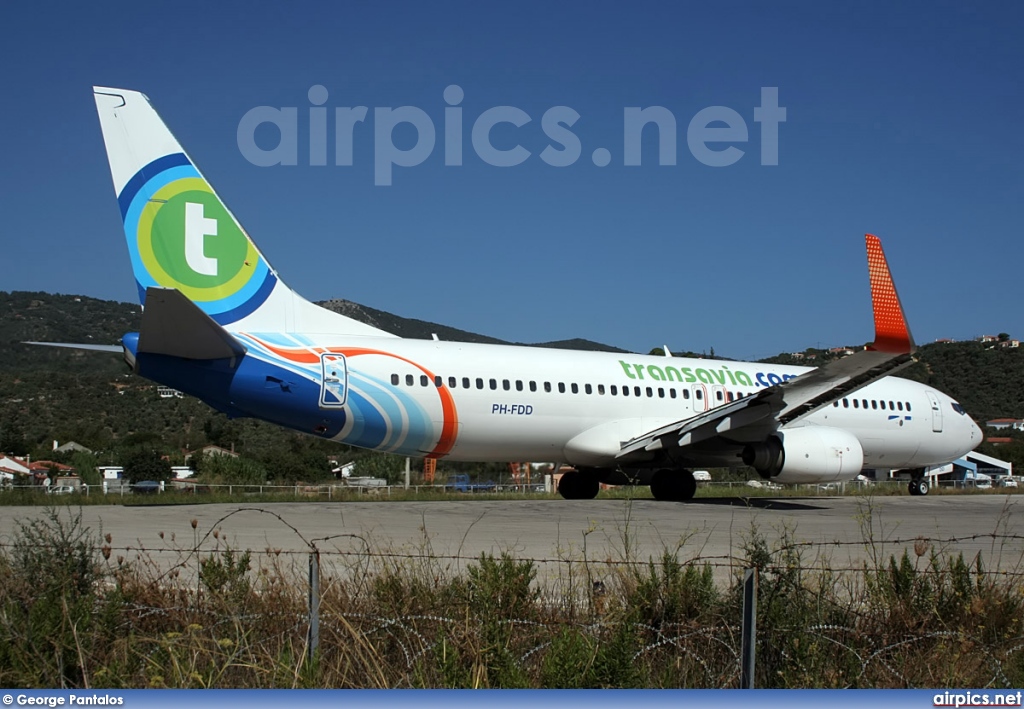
x: 761, y: 503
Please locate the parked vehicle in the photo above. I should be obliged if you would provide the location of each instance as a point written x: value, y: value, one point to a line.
x: 147, y: 487
x: 1008, y: 481
x: 459, y: 482
x: 60, y: 490
x: 702, y: 476
x: 364, y: 481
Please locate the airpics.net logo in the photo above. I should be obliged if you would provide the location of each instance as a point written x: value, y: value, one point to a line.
x: 716, y: 136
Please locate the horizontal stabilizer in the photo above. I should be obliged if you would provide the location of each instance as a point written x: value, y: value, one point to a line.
x: 173, y: 325
x: 75, y: 346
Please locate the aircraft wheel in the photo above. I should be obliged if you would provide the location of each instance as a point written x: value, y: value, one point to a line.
x: 918, y: 487
x: 577, y: 486
x: 673, y: 485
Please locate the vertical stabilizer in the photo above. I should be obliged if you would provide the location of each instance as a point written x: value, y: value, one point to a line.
x: 182, y: 236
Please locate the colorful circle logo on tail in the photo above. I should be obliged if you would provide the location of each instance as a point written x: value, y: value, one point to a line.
x: 181, y: 236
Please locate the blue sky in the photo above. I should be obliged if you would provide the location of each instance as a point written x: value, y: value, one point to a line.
x: 903, y: 120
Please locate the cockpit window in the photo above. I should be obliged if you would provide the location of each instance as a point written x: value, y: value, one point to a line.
x: 959, y: 409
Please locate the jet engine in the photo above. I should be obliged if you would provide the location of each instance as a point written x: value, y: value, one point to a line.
x: 809, y: 454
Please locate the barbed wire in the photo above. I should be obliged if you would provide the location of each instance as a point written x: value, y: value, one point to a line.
x: 714, y: 561
x: 415, y: 635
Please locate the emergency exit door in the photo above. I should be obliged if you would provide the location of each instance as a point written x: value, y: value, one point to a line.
x: 334, y: 382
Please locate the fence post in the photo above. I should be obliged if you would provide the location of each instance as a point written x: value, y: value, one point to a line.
x: 314, y: 602
x: 749, y: 630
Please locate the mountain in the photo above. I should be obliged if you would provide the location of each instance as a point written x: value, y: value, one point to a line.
x: 405, y: 327
x: 423, y: 330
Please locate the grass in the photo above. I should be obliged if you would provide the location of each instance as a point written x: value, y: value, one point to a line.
x: 76, y: 614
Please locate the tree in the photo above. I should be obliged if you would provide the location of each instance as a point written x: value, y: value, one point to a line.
x: 142, y: 464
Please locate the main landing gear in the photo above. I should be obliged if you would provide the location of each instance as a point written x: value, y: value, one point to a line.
x: 577, y: 485
x: 673, y: 485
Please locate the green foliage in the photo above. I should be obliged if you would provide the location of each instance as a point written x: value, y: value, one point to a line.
x: 502, y: 587
x: 500, y: 593
x: 228, y: 470
x: 47, y: 612
x: 226, y: 576
x: 142, y: 464
x: 671, y: 592
x: 382, y: 465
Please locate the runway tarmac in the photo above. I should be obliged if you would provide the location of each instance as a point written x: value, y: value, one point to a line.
x: 555, y: 531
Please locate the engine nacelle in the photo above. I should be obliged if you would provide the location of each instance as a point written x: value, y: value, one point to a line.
x: 809, y: 454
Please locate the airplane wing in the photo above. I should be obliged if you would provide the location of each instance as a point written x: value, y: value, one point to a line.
x: 790, y: 401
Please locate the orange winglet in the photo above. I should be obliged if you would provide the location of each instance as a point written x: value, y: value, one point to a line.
x: 891, y: 332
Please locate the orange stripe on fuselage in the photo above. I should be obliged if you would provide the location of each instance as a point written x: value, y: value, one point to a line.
x: 311, y: 355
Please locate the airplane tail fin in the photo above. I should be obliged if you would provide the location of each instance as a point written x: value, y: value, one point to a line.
x: 182, y: 236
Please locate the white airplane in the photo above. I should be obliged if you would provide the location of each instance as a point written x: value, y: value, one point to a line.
x: 220, y: 325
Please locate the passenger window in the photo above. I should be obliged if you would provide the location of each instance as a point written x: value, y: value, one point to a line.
x: 493, y: 383
x: 686, y: 393
x: 533, y: 386
x: 874, y: 404
x: 479, y: 383
x: 718, y: 394
x: 600, y: 389
x: 561, y: 387
x: 424, y: 381
x: 699, y: 394
x: 846, y: 403
x: 465, y: 382
x: 650, y: 392
x: 519, y: 384
x: 614, y: 390
x: 899, y: 405
x: 864, y: 402
x: 409, y: 380
x: 575, y: 388
x: 452, y: 382
x: 908, y: 406
x: 835, y: 404
x: 672, y: 393
x: 661, y: 393
x: 856, y: 403
x: 547, y: 387
x: 881, y: 404
x: 588, y: 389
x: 636, y: 390
x: 506, y: 384
x: 892, y: 406
x: 625, y: 391
x: 394, y: 379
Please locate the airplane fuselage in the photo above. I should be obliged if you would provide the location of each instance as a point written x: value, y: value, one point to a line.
x: 473, y: 402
